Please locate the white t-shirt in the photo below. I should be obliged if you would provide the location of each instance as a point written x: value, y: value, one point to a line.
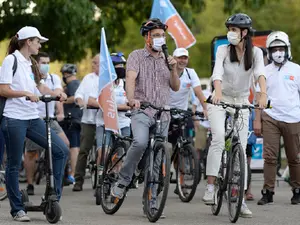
x: 180, y: 99
x: 236, y: 81
x: 199, y: 107
x: 23, y: 80
x: 283, y: 89
x: 51, y: 105
x: 89, y: 88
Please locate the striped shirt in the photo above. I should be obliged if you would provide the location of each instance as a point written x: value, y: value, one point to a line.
x: 153, y: 78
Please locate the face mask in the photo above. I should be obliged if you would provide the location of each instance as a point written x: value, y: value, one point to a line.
x: 64, y: 80
x: 157, y: 43
x: 278, y: 56
x: 233, y: 38
x: 44, y: 68
x: 121, y: 72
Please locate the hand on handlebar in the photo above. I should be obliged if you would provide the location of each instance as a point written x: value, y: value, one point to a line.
x: 216, y: 99
x: 32, y: 97
x: 63, y: 97
x: 133, y: 103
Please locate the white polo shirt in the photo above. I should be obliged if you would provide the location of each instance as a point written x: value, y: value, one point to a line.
x: 180, y: 99
x: 56, y: 84
x: 89, y: 88
x: 23, y: 80
x: 283, y: 89
x: 236, y: 81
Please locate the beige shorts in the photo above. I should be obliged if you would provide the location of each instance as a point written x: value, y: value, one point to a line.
x: 32, y: 146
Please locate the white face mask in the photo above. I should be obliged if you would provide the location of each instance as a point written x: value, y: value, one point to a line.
x: 158, y: 42
x: 233, y: 37
x: 278, y: 56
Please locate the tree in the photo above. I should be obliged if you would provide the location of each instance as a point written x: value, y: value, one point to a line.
x: 72, y: 27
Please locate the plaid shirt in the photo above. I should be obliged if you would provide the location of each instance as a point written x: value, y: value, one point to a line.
x: 153, y: 78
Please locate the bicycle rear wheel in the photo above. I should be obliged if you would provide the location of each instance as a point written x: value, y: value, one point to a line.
x: 3, y: 192
x: 220, y: 185
x: 188, y: 173
x: 157, y: 180
x: 236, y: 182
x: 113, y: 162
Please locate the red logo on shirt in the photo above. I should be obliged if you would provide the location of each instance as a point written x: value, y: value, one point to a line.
x: 292, y: 77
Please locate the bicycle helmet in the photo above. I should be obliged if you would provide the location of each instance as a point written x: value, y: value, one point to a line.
x: 279, y: 39
x: 239, y: 20
x: 69, y: 68
x: 118, y: 58
x: 152, y: 24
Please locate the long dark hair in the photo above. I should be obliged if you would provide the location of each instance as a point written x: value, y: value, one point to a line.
x: 248, y: 57
x: 16, y: 44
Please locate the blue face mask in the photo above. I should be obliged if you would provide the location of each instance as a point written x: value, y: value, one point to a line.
x: 44, y: 68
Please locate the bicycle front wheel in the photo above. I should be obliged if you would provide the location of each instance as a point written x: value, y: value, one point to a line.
x: 157, y: 180
x: 113, y: 163
x: 236, y: 182
x: 3, y: 192
x: 188, y: 173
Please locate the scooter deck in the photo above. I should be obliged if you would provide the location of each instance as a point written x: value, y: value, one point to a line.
x: 29, y: 207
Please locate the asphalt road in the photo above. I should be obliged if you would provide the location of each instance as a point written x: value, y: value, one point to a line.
x: 80, y: 208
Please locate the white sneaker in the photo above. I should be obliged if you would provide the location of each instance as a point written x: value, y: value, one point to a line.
x: 21, y: 216
x: 208, y: 197
x: 245, y: 212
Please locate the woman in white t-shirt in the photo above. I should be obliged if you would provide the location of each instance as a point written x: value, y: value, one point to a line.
x: 119, y: 62
x: 21, y: 117
x: 235, y: 64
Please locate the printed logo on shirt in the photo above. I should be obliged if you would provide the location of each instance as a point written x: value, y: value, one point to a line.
x: 186, y: 85
x: 121, y: 94
x: 32, y: 76
x: 289, y: 77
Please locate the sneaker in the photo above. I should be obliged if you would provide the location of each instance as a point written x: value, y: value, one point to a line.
x: 21, y: 216
x: 296, y: 197
x: 208, y: 197
x: 30, y: 189
x: 245, y: 212
x: 118, y: 190
x: 267, y: 197
x: 77, y: 187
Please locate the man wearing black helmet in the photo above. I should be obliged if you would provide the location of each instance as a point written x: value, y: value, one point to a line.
x: 235, y: 66
x: 147, y: 79
x: 71, y: 124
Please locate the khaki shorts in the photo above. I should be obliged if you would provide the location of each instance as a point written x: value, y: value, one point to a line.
x: 200, y: 138
x: 32, y: 146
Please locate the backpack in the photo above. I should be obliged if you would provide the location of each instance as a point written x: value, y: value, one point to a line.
x: 3, y: 99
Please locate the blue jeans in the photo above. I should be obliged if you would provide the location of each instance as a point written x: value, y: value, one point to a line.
x: 1, y: 146
x: 15, y: 132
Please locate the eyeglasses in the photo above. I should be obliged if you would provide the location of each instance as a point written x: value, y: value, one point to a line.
x: 158, y: 35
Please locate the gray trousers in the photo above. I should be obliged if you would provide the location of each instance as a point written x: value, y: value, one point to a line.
x: 140, y: 124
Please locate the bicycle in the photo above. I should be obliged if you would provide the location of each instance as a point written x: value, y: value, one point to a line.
x: 188, y: 174
x: 231, y: 178
x: 3, y: 191
x: 155, y: 157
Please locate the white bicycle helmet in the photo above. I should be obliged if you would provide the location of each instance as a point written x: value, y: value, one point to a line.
x: 278, y: 39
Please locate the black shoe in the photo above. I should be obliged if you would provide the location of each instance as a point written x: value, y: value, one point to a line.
x: 30, y: 189
x: 176, y: 191
x: 296, y: 197
x: 77, y: 187
x: 267, y: 197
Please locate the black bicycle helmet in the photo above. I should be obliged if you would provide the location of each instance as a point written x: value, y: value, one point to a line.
x: 69, y: 68
x: 239, y: 20
x: 151, y: 24
x: 118, y: 58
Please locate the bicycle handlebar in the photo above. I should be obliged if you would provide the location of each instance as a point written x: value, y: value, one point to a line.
x: 238, y: 106
x: 46, y: 98
x: 186, y: 113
